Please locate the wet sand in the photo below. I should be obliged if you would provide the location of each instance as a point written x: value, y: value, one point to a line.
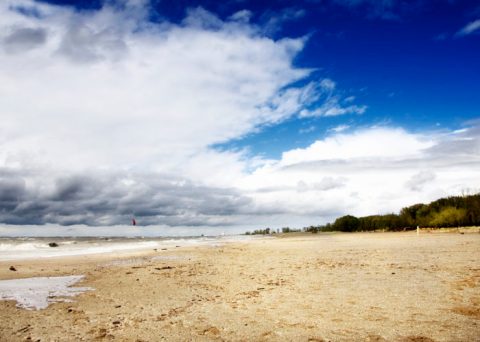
x: 332, y: 287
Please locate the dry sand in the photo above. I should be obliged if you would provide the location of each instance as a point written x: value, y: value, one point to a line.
x: 333, y: 287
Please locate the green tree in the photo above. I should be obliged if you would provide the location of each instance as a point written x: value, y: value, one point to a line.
x: 347, y: 223
x: 449, y: 217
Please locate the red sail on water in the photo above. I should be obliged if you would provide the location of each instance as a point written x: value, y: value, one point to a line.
x: 134, y: 223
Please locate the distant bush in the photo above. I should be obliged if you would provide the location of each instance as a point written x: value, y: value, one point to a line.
x: 290, y: 230
x: 260, y: 232
x: 312, y: 229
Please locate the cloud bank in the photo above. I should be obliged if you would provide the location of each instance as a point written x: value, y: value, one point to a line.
x: 106, y: 115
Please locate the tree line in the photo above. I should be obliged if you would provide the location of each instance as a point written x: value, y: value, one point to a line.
x: 268, y: 231
x: 453, y: 211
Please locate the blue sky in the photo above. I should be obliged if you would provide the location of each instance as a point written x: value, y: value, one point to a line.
x: 412, y: 70
x: 234, y: 115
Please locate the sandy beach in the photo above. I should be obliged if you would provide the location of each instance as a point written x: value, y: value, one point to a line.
x: 324, y: 287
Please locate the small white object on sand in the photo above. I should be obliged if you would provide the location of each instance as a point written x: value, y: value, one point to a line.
x: 37, y: 293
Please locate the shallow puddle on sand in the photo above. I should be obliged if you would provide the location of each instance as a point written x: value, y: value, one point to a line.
x: 37, y: 293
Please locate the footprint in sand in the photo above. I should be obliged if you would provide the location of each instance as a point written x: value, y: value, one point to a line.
x: 416, y: 339
x: 375, y: 338
x: 211, y: 331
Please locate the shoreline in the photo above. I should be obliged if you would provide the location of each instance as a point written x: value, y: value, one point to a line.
x: 336, y: 287
x: 40, y: 248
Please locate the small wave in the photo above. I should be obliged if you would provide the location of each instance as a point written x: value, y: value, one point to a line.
x: 22, y: 246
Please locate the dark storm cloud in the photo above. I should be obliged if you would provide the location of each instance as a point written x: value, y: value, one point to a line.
x: 24, y: 39
x: 12, y: 192
x: 70, y: 188
x: 103, y: 200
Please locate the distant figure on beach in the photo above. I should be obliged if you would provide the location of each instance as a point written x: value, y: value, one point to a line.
x: 134, y: 223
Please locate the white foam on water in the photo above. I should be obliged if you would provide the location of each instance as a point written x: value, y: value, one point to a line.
x: 21, y: 251
x: 27, y: 246
x: 37, y: 293
x: 35, y: 248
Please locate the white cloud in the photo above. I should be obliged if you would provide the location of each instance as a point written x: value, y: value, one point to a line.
x: 307, y: 129
x: 340, y: 128
x: 103, y: 114
x: 273, y: 21
x: 105, y: 89
x: 328, y: 84
x: 469, y: 28
x: 326, y: 101
x: 105, y: 103
x: 367, y: 171
x: 375, y: 142
x: 243, y: 16
x: 418, y: 180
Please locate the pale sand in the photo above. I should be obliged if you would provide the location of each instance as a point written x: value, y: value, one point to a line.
x: 336, y: 287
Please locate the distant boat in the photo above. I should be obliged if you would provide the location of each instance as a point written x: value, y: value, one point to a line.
x: 134, y: 223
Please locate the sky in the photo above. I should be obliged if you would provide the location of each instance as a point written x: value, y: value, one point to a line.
x: 205, y: 117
